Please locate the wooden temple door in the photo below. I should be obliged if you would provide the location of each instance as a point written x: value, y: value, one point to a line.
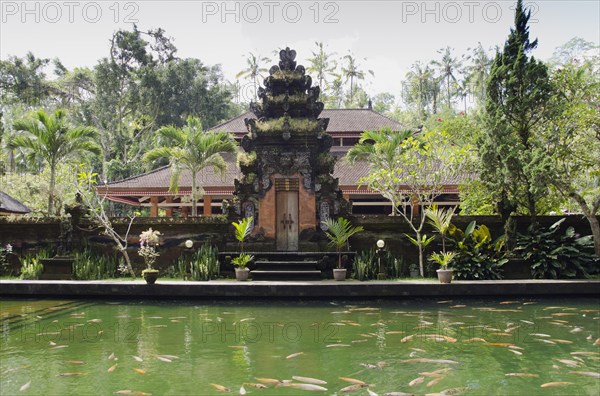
x: 287, y: 214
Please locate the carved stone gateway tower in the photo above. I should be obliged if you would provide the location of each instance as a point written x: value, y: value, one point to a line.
x: 287, y: 183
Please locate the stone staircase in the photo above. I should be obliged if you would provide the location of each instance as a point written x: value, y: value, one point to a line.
x: 291, y: 266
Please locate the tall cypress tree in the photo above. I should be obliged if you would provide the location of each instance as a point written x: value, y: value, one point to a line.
x: 517, y: 91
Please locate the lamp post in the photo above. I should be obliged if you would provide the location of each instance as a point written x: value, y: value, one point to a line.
x: 380, y: 252
x: 189, y: 244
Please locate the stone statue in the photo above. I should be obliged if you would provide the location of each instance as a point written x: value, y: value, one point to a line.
x: 66, y: 237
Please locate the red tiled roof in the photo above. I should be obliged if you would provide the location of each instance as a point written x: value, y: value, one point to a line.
x: 340, y: 120
x: 159, y: 179
x: 157, y: 182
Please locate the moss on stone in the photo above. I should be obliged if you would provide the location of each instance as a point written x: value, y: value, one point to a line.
x: 287, y: 75
x: 292, y: 99
x: 246, y: 159
x: 295, y: 125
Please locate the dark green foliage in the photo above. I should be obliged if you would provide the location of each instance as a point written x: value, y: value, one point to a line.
x: 396, y: 266
x: 338, y: 232
x: 31, y: 265
x: 22, y: 80
x: 205, y: 265
x: 365, y: 265
x: 4, y: 264
x: 518, y: 89
x: 89, y: 265
x: 180, y: 269
x: 477, y: 257
x: 554, y: 254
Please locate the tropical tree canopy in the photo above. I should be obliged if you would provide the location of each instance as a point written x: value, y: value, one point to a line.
x: 192, y: 149
x: 50, y: 139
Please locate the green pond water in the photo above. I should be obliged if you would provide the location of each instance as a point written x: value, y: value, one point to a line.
x: 68, y: 347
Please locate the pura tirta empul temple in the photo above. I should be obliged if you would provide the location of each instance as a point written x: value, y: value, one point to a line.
x: 290, y: 173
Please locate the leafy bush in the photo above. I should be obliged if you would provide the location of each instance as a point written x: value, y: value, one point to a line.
x: 477, y: 255
x: 443, y: 259
x: 365, y: 265
x: 31, y: 267
x: 179, y: 270
x: 4, y: 264
x: 205, y: 264
x: 396, y: 266
x: 93, y: 266
x: 553, y: 254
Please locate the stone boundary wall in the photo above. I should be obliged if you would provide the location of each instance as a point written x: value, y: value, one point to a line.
x: 30, y: 235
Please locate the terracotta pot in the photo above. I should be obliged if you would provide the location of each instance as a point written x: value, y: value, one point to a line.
x: 150, y: 277
x: 444, y: 275
x: 241, y: 274
x: 339, y: 274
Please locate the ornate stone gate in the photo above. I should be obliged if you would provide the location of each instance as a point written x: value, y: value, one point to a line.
x: 287, y: 183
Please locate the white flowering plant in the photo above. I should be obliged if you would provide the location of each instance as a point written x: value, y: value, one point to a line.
x: 149, y: 240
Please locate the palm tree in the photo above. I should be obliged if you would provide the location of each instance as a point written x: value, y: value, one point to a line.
x: 322, y: 65
x: 190, y: 148
x: 421, y: 88
x: 449, y: 67
x: 254, y: 68
x: 338, y: 232
x: 243, y: 229
x: 478, y: 72
x: 381, y: 150
x: 352, y: 71
x: 337, y: 93
x: 440, y: 220
x: 51, y: 139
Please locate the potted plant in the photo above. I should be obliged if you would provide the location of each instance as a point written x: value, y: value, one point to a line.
x: 414, y: 270
x: 443, y: 259
x: 338, y: 232
x: 149, y: 241
x: 243, y: 228
x: 441, y: 221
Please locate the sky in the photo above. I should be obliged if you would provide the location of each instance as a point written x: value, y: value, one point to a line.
x: 386, y: 36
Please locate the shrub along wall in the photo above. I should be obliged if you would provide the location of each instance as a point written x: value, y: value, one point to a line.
x: 392, y: 230
x: 28, y: 235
